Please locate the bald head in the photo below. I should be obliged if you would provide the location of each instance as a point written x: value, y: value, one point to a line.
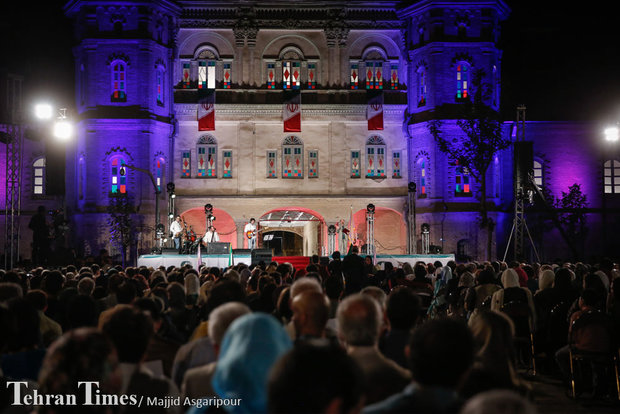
x: 310, y: 313
x: 359, y: 320
x: 304, y: 284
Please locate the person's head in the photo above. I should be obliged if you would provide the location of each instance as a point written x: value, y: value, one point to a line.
x: 498, y: 402
x: 81, y: 312
x: 335, y: 379
x: 176, y: 295
x: 53, y: 282
x: 86, y: 286
x: 211, y: 228
x: 355, y: 250
x: 377, y: 293
x: 434, y: 360
x: 303, y: 284
x: 336, y: 255
x: 221, y: 318
x: 334, y: 287
x: 510, y: 278
x: 310, y: 313
x: 10, y: 290
x: 486, y: 276
x: 493, y: 334
x: 178, y: 219
x: 130, y: 330
x: 359, y: 320
x: 545, y: 280
x: 419, y: 271
x: 251, y: 345
x: 589, y: 298
x: 403, y: 308
x: 224, y: 291
x: 252, y: 220
x: 83, y: 354
x: 37, y: 298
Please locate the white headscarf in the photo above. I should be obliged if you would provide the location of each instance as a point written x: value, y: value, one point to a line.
x: 510, y: 278
x: 546, y: 279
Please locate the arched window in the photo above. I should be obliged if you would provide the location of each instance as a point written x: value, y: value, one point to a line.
x: 38, y: 176
x: 462, y: 81
x: 538, y: 173
x: 206, y: 161
x: 292, y: 157
x: 118, y: 175
x: 421, y: 75
x: 291, y: 68
x: 119, y: 81
x: 206, y: 68
x: 422, y: 178
x: 375, y: 157
x: 611, y: 176
x: 159, y: 85
x: 462, y: 182
x: 373, y: 62
x: 160, y: 172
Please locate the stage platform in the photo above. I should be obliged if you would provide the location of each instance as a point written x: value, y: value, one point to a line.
x: 225, y: 260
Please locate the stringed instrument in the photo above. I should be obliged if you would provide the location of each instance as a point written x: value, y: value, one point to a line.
x: 250, y: 234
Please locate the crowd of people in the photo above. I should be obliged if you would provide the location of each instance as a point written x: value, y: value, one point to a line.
x: 346, y: 337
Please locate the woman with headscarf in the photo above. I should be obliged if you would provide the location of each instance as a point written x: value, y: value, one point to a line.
x: 479, y: 297
x: 513, y: 292
x: 251, y: 346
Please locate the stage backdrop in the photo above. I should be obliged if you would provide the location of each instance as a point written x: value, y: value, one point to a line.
x: 224, y: 224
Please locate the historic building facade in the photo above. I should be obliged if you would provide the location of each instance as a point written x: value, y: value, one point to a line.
x: 297, y: 114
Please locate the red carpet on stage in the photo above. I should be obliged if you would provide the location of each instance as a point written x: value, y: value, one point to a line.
x: 298, y: 262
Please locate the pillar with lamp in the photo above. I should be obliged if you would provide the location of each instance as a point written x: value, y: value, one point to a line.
x: 171, y: 198
x: 370, y: 229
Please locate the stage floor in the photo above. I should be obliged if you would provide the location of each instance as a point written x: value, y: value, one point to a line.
x: 225, y: 260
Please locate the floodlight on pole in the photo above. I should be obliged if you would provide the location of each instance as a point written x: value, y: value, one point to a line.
x: 43, y: 111
x: 611, y: 134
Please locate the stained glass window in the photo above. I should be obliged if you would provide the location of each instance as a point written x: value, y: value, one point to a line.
x: 394, y: 77
x: 311, y: 76
x: 292, y: 157
x: 207, y: 157
x: 396, y: 164
x: 612, y: 176
x: 186, y: 164
x: 119, y: 82
x: 291, y: 75
x: 421, y: 86
x: 38, y: 176
x: 354, y: 76
x: 186, y: 79
x: 227, y: 164
x: 538, y: 174
x: 271, y: 164
x: 462, y: 81
x: 374, y: 75
x: 422, y: 185
x: 355, y: 164
x: 271, y: 76
x: 462, y: 182
x: 159, y: 172
x: 313, y: 164
x: 375, y: 157
x: 159, y: 73
x: 118, y: 176
x: 226, y: 83
x: 206, y: 74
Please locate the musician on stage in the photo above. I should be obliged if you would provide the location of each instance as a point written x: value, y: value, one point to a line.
x: 250, y: 232
x: 176, y: 229
x: 210, y: 236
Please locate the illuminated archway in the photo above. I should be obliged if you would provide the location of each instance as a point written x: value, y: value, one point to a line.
x: 390, y: 230
x: 298, y: 220
x: 224, y: 224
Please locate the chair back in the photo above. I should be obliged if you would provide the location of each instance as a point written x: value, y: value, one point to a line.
x: 595, y: 327
x: 557, y: 326
x: 521, y: 316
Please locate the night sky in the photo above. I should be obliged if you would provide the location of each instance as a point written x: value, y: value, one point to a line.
x: 561, y: 61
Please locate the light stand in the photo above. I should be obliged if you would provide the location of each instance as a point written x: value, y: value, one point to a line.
x: 426, y: 238
x: 331, y: 239
x: 171, y: 198
x: 411, y: 217
x: 370, y: 229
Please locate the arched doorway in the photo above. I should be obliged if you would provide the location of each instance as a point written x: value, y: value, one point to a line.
x: 390, y: 230
x: 293, y: 231
x: 224, y: 224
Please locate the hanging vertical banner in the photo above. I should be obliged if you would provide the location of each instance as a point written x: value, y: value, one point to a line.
x: 292, y: 111
x: 374, y: 110
x: 206, y: 112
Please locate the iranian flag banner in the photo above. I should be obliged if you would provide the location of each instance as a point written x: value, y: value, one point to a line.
x: 292, y: 111
x: 374, y: 110
x: 206, y: 112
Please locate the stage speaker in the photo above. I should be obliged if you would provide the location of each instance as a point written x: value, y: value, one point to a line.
x: 261, y: 254
x: 523, y: 161
x: 242, y: 252
x: 218, y: 248
x: 169, y: 250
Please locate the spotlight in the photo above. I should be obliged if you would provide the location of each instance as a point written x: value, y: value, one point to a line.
x: 173, y: 195
x: 208, y: 209
x: 331, y: 229
x: 170, y: 216
x: 412, y: 187
x: 160, y: 229
x: 370, y: 208
x: 170, y: 187
x: 426, y: 228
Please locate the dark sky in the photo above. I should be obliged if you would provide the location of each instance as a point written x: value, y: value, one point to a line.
x: 561, y: 61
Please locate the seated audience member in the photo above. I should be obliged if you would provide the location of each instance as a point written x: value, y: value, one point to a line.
x: 197, y: 381
x: 333, y: 379
x: 403, y: 311
x: 310, y: 314
x: 251, y: 346
x: 437, y: 367
x: 498, y: 402
x: 50, y: 329
x: 359, y: 324
x: 494, y: 366
x: 83, y: 354
x: 512, y: 292
x: 479, y: 297
x: 130, y: 330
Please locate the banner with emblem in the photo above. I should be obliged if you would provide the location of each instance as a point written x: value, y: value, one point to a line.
x: 374, y: 110
x: 206, y: 112
x: 292, y: 111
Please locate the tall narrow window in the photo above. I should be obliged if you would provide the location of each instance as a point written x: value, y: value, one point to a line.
x: 355, y: 164
x: 206, y: 74
x: 422, y: 179
x: 462, y: 184
x: 311, y: 76
x: 159, y: 85
x: 207, y: 156
x: 421, y: 86
x: 227, y: 81
x: 462, y: 81
x: 186, y: 79
x: 271, y: 165
x: 313, y: 164
x: 538, y: 173
x: 394, y: 77
x: 292, y: 157
x: 354, y: 76
x: 118, y: 176
x: 612, y: 176
x: 38, y: 176
x: 291, y: 74
x: 396, y: 165
x: 159, y: 172
x: 375, y: 157
x: 119, y: 82
x: 186, y: 164
x: 227, y: 164
x: 374, y: 75
x: 271, y: 76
